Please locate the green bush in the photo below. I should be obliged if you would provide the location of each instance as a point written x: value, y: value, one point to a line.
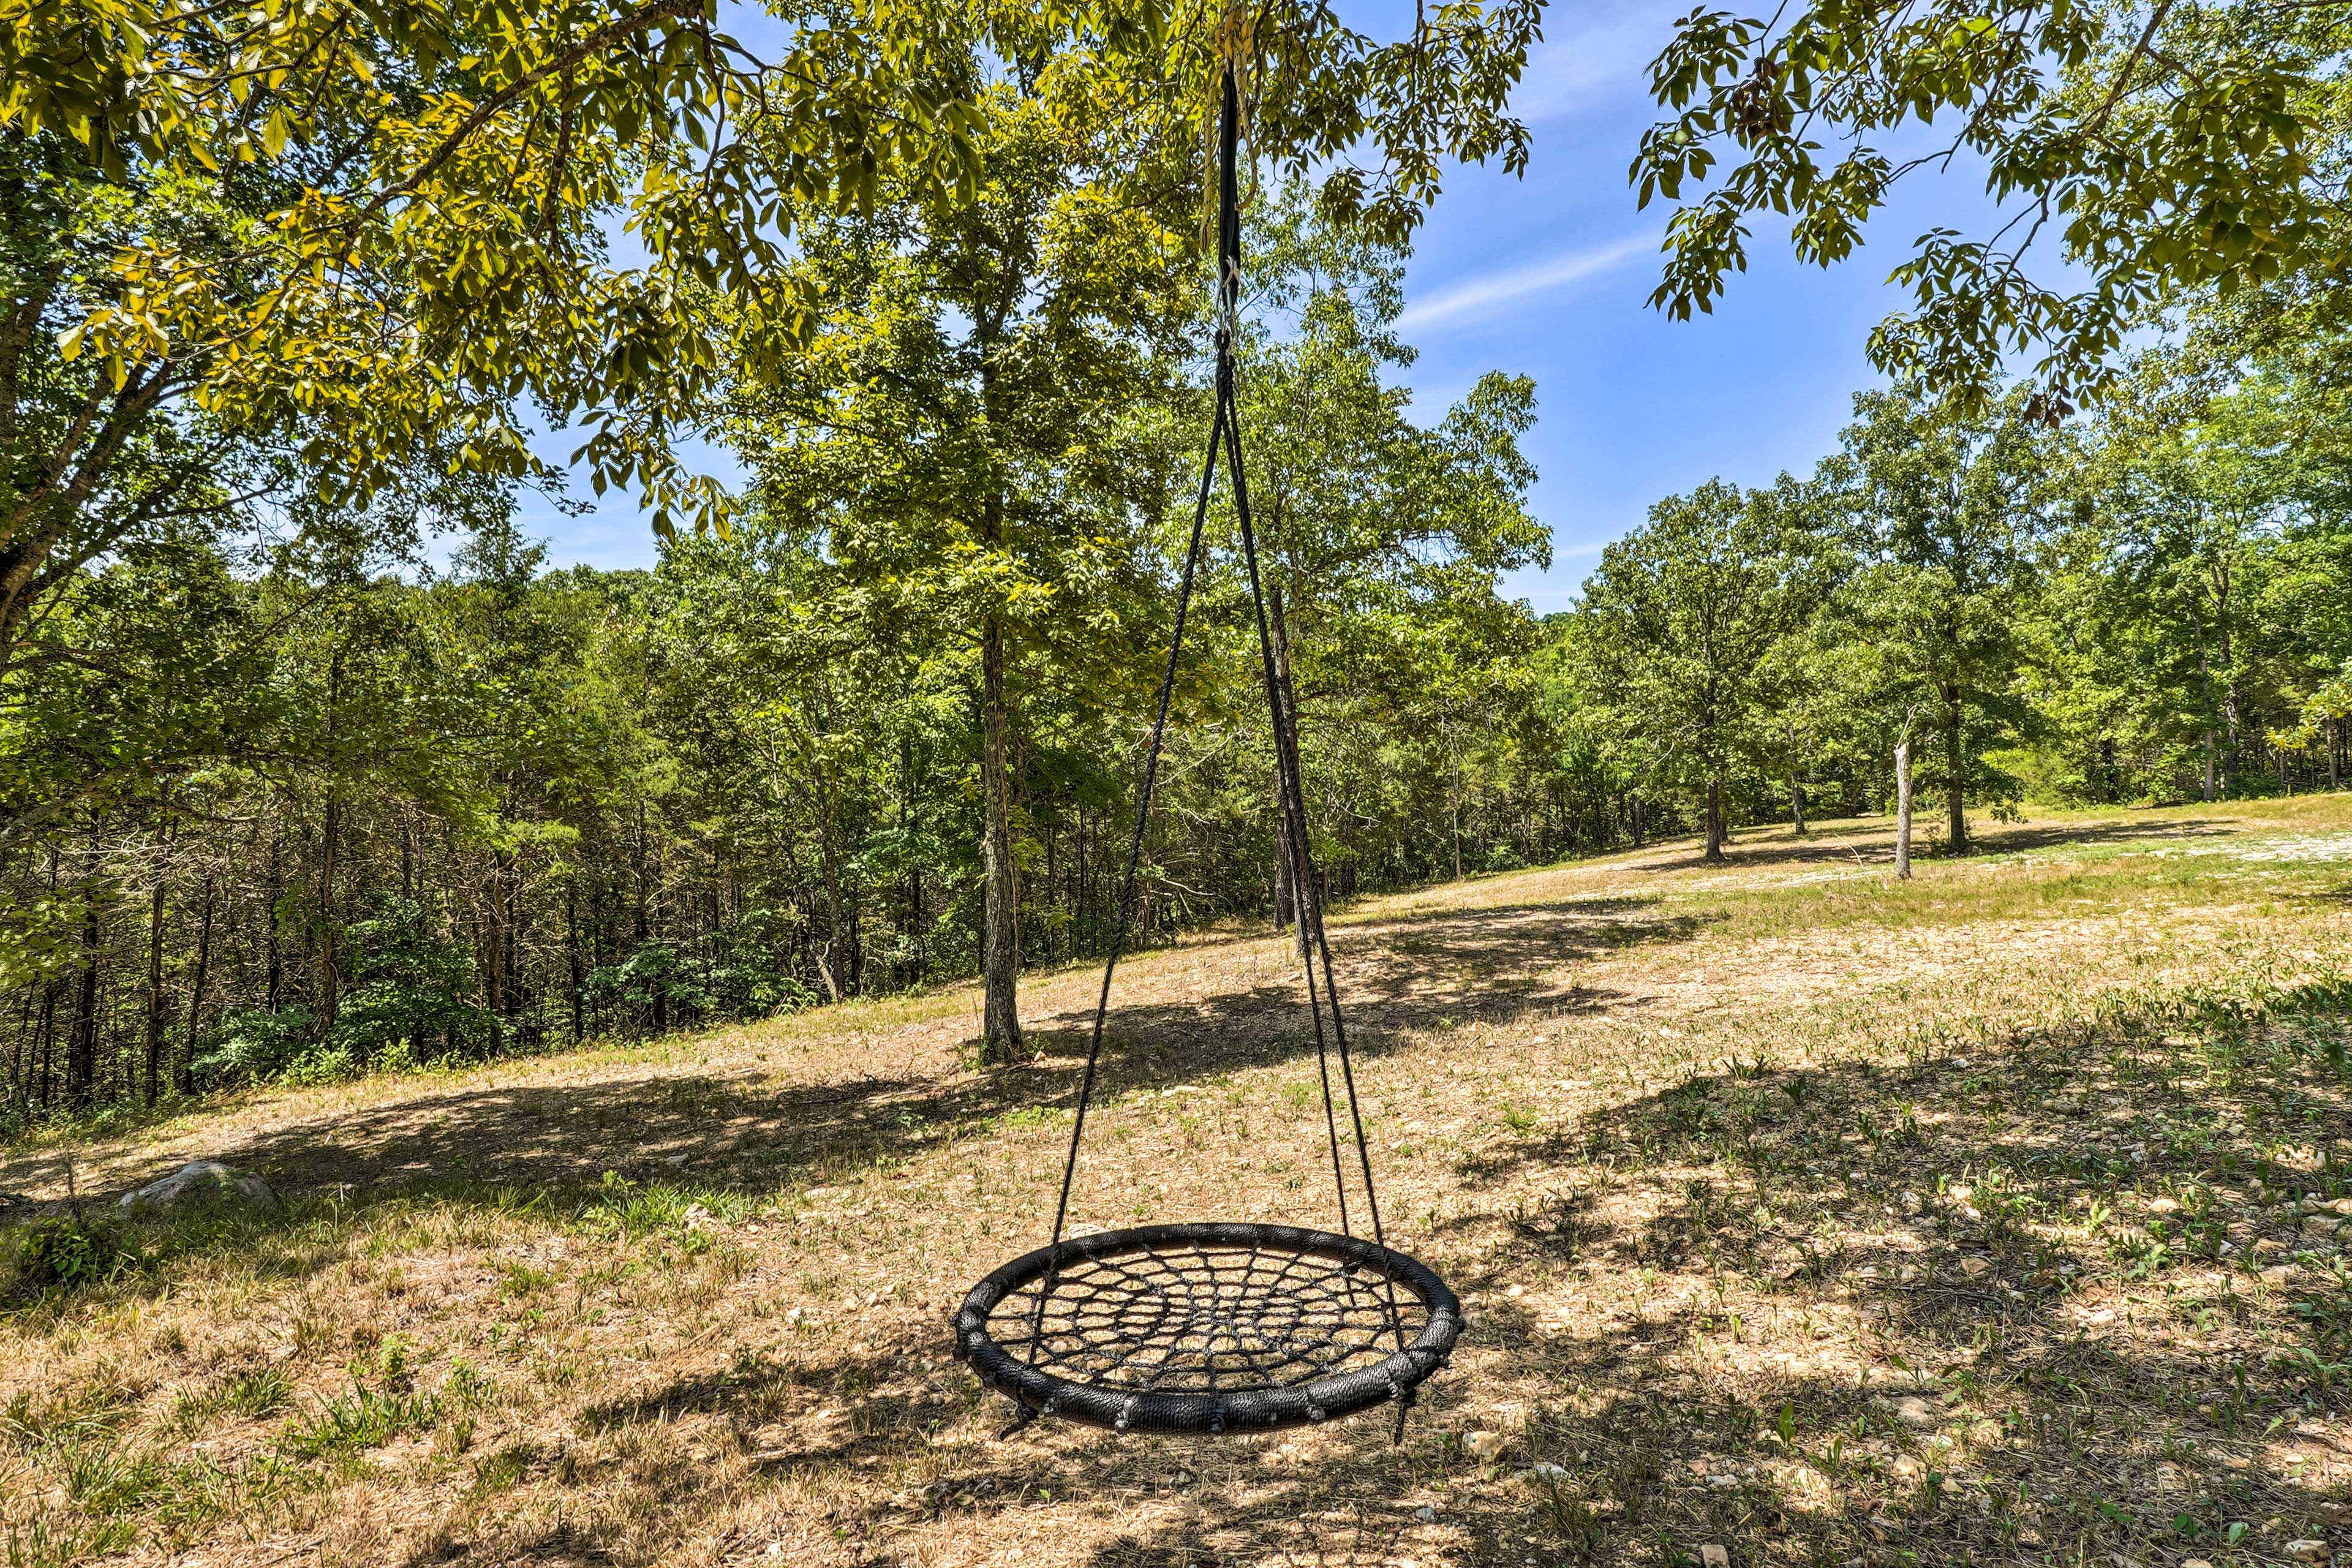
x: 64, y: 1253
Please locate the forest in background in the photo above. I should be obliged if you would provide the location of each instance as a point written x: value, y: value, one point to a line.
x: 337, y: 810
x: 278, y: 797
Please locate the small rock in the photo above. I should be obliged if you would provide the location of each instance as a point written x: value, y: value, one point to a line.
x: 1515, y: 1291
x: 1483, y: 1446
x: 2320, y: 1224
x: 672, y: 1158
x: 2195, y: 1562
x: 2307, y: 1550
x: 1974, y: 1267
x: 198, y: 1181
x: 1546, y: 1473
x: 2164, y: 1205
x: 1916, y: 1412
x: 1714, y: 1557
x: 1426, y: 1514
x: 2278, y: 1274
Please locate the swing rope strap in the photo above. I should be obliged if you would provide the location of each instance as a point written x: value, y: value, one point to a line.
x: 1225, y: 433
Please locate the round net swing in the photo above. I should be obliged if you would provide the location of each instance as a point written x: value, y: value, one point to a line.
x: 1227, y: 1326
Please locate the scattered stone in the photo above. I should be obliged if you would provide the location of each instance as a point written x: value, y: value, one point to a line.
x: 1916, y: 1412
x: 2195, y: 1562
x: 1483, y: 1446
x: 1714, y: 1557
x: 1426, y: 1514
x: 672, y: 1158
x: 2307, y: 1550
x: 2320, y: 1224
x: 197, y: 1181
x: 2278, y: 1274
x: 1974, y: 1267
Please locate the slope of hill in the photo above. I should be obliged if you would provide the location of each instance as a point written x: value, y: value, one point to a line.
x: 1799, y: 1212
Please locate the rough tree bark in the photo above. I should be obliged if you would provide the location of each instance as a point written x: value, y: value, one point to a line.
x: 155, y: 992
x: 185, y: 1073
x: 81, y: 1050
x: 1715, y: 833
x: 1796, y: 788
x: 1956, y: 765
x: 1902, y: 809
x: 1000, y: 951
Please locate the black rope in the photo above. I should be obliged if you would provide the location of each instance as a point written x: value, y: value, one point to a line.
x: 1225, y: 426
x: 1135, y: 847
x: 1310, y: 906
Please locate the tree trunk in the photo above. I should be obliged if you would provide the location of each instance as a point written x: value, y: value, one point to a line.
x: 186, y: 1076
x: 1000, y: 952
x: 827, y: 962
x: 1956, y: 765
x: 81, y: 1051
x: 274, y: 964
x: 329, y: 979
x: 155, y: 992
x: 571, y: 956
x: 1796, y: 788
x: 2209, y: 767
x: 1902, y: 809
x: 1715, y: 833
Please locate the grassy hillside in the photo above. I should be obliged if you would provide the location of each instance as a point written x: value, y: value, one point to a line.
x: 1799, y: 1212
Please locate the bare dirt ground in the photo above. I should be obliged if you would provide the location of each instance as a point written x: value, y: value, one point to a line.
x: 1800, y: 1214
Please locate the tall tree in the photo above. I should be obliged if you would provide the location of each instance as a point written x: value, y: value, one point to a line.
x: 1680, y: 621
x: 1945, y: 512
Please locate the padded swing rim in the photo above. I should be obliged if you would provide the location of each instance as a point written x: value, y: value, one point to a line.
x: 1253, y: 1410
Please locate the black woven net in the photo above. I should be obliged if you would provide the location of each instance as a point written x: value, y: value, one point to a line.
x: 1208, y: 1327
x: 1208, y: 1319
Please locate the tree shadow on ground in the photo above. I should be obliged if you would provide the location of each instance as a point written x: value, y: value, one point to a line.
x: 1834, y: 1355
x: 738, y: 1131
x: 1825, y: 845
x: 1943, y: 1218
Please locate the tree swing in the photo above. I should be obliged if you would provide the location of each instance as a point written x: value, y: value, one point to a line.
x: 1232, y: 1326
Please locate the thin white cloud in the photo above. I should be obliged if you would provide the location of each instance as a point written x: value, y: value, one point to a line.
x: 1602, y: 64
x: 1483, y: 294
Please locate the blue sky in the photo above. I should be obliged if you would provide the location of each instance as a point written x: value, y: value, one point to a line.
x: 1547, y: 276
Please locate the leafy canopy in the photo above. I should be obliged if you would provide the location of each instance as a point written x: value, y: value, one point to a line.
x: 419, y: 200
x: 2167, y: 147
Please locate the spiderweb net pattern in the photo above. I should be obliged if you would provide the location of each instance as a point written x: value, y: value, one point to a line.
x: 1207, y: 1320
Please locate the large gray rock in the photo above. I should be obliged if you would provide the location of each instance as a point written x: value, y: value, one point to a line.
x: 199, y: 1181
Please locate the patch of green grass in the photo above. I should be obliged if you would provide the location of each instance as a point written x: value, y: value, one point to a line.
x: 502, y: 1470
x: 634, y: 1210
x: 363, y: 1419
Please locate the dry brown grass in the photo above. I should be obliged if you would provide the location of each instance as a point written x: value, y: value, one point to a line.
x: 1801, y: 1213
